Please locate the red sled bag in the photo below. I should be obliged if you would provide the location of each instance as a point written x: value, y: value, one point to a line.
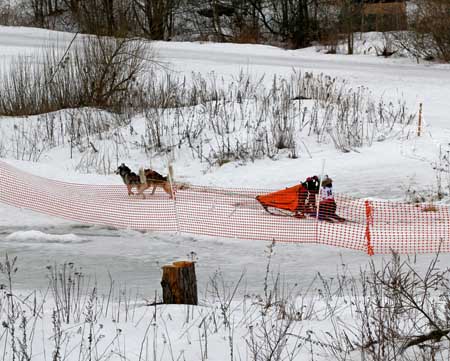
x: 289, y: 199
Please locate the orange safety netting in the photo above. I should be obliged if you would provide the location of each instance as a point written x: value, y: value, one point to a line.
x: 371, y: 226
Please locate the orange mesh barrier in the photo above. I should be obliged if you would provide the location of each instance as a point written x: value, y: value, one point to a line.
x: 370, y: 226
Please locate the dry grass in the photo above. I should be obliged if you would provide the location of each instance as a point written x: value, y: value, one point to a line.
x: 98, y: 72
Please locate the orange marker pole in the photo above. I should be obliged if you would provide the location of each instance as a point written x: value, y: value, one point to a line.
x: 419, y: 125
x: 369, y: 222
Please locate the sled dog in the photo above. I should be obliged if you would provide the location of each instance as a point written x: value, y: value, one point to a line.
x: 145, y: 179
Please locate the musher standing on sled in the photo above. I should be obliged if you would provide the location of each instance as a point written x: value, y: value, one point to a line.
x: 301, y: 200
x: 307, y: 197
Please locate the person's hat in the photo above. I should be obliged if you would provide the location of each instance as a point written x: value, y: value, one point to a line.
x: 326, y: 181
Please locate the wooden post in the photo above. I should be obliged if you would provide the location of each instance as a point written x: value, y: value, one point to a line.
x: 419, y: 125
x: 179, y: 283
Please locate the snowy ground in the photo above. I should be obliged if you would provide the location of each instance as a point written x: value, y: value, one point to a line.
x: 133, y: 259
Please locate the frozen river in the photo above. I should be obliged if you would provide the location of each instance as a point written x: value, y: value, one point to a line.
x: 134, y: 259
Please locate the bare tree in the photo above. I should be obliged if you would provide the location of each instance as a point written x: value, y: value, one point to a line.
x: 429, y: 35
x: 288, y: 19
x: 43, y: 10
x: 155, y: 18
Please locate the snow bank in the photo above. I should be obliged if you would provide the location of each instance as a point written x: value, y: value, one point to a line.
x: 41, y: 237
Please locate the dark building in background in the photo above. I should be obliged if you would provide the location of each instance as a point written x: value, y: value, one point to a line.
x: 383, y: 15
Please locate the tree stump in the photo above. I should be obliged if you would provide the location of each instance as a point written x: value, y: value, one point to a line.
x: 179, y: 283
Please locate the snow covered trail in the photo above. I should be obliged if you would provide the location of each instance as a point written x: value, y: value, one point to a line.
x: 391, y: 77
x: 394, y: 77
x: 250, y: 57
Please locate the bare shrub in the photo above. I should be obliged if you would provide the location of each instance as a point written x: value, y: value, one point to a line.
x: 404, y: 313
x: 3, y: 147
x: 271, y: 339
x: 66, y: 285
x: 274, y: 333
x: 72, y: 316
x: 109, y: 71
x: 425, y: 196
x: 397, y: 313
x: 27, y: 143
x: 217, y: 120
x: 442, y: 174
x: 223, y: 294
x: 429, y: 31
x: 284, y: 114
x: 13, y: 13
x: 390, y: 311
x: 244, y: 120
x: 78, y: 129
x: 387, y: 48
x: 100, y: 73
x: 5, y: 13
x: 104, y: 157
x: 330, y: 42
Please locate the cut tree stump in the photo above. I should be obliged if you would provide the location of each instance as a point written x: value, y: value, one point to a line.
x: 179, y: 283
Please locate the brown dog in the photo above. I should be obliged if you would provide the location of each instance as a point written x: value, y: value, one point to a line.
x: 147, y: 178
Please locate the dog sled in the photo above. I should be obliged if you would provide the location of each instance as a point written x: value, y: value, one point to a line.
x: 298, y: 201
x: 284, y: 202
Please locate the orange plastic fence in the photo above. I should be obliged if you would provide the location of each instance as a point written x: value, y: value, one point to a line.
x: 371, y: 226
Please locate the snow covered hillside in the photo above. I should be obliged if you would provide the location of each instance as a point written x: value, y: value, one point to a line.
x: 378, y: 175
x: 386, y: 160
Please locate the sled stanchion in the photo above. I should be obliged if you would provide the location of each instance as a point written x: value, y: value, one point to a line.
x: 322, y: 171
x: 369, y: 222
x: 179, y: 283
x: 419, y: 124
x: 170, y: 173
x: 320, y: 187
